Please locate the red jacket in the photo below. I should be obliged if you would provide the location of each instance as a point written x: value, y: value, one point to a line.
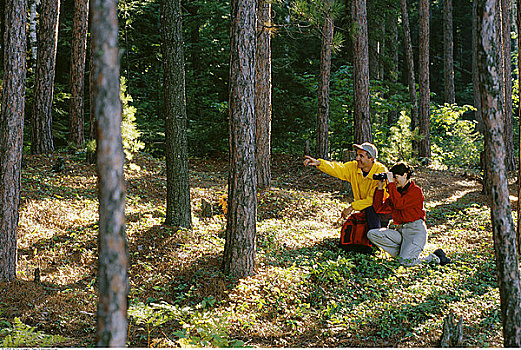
x: 405, y: 207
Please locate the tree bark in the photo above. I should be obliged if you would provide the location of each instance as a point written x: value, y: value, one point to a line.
x: 518, y: 240
x: 362, y: 116
x: 11, y: 133
x: 78, y: 54
x: 33, y: 37
x: 239, y: 249
x: 393, y: 72
x: 505, y: 24
x: 263, y: 95
x: 475, y: 71
x: 448, y: 62
x: 113, y: 248
x: 507, y: 263
x: 41, y: 140
x: 322, y: 146
x: 178, y: 210
x: 424, y: 145
x: 415, y: 120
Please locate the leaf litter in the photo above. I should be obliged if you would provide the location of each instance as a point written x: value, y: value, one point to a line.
x: 305, y: 293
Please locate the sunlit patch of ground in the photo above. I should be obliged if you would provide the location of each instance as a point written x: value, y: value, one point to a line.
x: 305, y: 293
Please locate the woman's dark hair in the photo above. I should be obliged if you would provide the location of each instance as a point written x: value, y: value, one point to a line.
x: 402, y: 168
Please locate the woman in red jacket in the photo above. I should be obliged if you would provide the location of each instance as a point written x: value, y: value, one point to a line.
x: 405, y: 202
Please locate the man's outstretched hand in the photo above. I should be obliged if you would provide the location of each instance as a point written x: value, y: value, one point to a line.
x: 311, y: 161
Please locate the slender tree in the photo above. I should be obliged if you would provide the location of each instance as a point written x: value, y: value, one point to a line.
x: 239, y: 249
x: 11, y: 133
x: 178, y: 211
x: 2, y: 28
x: 392, y: 47
x: 415, y: 119
x: 448, y: 49
x: 33, y: 37
x: 507, y: 263
x: 424, y: 145
x: 518, y: 241
x: 113, y: 248
x: 78, y: 54
x: 327, y: 33
x: 263, y: 94
x: 362, y: 116
x: 475, y: 72
x: 504, y: 22
x: 41, y: 137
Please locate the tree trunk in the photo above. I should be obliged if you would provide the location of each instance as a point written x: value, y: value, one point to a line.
x: 239, y: 249
x: 33, y: 37
x: 11, y: 133
x: 424, y: 145
x: 415, y: 122
x: 263, y: 95
x: 113, y: 248
x: 362, y: 116
x: 507, y: 263
x: 78, y: 53
x: 448, y: 62
x: 518, y: 241
x: 2, y: 29
x: 90, y: 153
x: 392, y: 46
x: 41, y: 140
x: 178, y: 210
x: 475, y: 72
x: 505, y: 24
x: 322, y: 147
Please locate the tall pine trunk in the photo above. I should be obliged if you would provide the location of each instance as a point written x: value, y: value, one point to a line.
x: 424, y: 144
x: 505, y: 25
x: 448, y: 49
x: 361, y: 98
x: 112, y: 241
x: 239, y: 249
x: 322, y: 146
x: 11, y: 133
x: 33, y: 37
x: 507, y: 263
x: 263, y: 95
x: 415, y: 119
x: 78, y: 54
x: 392, y: 47
x: 178, y: 210
x: 41, y: 133
x: 518, y: 241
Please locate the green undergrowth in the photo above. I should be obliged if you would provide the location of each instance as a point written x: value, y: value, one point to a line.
x: 306, y: 292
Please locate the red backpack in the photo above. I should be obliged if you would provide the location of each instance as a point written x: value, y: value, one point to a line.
x: 353, y: 236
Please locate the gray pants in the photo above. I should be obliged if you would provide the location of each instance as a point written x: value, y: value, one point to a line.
x: 406, y: 242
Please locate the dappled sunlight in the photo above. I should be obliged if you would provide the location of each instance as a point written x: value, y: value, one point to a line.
x: 306, y: 292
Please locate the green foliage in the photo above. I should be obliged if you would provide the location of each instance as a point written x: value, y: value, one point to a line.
x: 129, y: 131
x: 454, y: 140
x: 199, y: 326
x: 19, y: 334
x: 398, y: 144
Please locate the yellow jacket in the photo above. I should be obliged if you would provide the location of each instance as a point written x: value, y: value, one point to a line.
x: 363, y: 187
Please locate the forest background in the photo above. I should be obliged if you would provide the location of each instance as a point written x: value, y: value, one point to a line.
x: 295, y: 69
x: 455, y: 144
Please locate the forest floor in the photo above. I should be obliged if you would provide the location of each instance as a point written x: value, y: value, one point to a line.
x: 305, y: 293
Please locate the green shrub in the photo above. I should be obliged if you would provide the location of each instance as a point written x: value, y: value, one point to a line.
x: 454, y: 140
x: 19, y: 334
x: 129, y: 131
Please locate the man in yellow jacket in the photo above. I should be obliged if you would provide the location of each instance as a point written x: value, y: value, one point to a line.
x: 359, y: 173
